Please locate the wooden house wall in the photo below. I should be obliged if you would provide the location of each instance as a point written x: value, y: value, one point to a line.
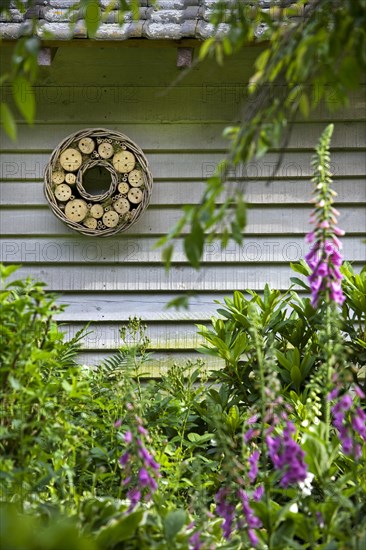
x: 178, y: 121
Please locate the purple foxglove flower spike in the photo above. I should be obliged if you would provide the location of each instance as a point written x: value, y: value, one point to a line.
x: 324, y: 259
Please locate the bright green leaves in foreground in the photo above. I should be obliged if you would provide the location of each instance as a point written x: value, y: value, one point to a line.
x: 8, y: 122
x: 19, y: 79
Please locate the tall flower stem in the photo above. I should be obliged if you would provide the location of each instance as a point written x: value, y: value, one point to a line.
x: 255, y: 330
x: 329, y: 369
x: 325, y: 260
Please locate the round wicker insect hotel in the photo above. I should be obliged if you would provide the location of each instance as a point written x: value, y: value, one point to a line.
x: 71, y: 182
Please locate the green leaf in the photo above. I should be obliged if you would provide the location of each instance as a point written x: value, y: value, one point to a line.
x: 193, y: 437
x: 206, y: 47
x: 66, y: 386
x: 91, y: 16
x: 14, y: 383
x: 262, y: 59
x: 173, y: 523
x: 181, y: 302
x: 297, y: 281
x: 349, y: 72
x: 316, y: 455
x: 241, y: 212
x: 284, y: 531
x: 296, y: 357
x: 233, y: 418
x: 231, y: 132
x: 193, y: 244
x: 282, y: 359
x: 227, y: 46
x: 301, y: 267
x: 167, y: 256
x: 5, y: 271
x: 24, y: 98
x: 199, y: 439
x: 8, y: 122
x: 241, y: 344
x: 236, y: 234
x: 296, y: 377
x: 304, y: 105
x: 119, y: 529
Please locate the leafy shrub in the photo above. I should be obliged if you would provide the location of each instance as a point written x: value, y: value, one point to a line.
x: 290, y: 325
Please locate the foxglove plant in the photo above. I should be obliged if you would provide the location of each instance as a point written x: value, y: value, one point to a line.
x: 268, y: 438
x: 349, y: 420
x: 233, y: 498
x: 140, y: 470
x: 225, y: 509
x: 287, y: 456
x: 252, y: 521
x: 324, y: 258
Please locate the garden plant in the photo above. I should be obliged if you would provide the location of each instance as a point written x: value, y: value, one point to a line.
x: 269, y: 452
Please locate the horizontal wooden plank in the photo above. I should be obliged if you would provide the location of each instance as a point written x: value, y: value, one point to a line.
x: 176, y: 166
x: 139, y: 250
x: 160, y: 362
x: 99, y: 105
x: 150, y: 136
x: 116, y: 307
x: 217, y: 278
x: 289, y: 221
x: 95, y: 69
x: 125, y: 67
x: 106, y: 336
x: 183, y: 136
x: 18, y: 193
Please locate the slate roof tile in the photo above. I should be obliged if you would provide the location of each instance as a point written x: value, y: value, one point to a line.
x: 166, y: 19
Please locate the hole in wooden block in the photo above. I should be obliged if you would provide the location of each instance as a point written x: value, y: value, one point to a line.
x: 97, y: 180
x: 184, y: 58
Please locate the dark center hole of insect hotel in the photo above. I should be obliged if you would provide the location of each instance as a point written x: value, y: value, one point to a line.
x: 97, y: 180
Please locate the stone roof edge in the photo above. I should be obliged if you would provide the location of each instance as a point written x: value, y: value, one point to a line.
x: 164, y: 20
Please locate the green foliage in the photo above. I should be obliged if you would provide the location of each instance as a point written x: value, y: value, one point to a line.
x: 354, y: 312
x: 22, y: 76
x: 8, y: 121
x: 291, y: 326
x: 29, y: 335
x: 63, y: 429
x: 19, y: 532
x: 118, y: 529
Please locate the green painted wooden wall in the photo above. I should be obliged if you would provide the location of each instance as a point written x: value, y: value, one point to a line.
x: 178, y: 121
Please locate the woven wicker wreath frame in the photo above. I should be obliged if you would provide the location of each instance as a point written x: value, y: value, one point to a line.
x: 116, y: 209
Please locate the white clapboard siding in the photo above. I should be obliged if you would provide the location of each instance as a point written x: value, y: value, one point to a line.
x: 105, y: 336
x: 127, y: 278
x: 114, y: 307
x: 350, y: 191
x: 141, y: 249
x: 289, y: 221
x: 160, y: 362
x: 30, y: 166
x: 160, y: 137
x: 106, y: 281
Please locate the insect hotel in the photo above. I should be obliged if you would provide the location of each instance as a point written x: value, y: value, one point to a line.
x: 92, y: 158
